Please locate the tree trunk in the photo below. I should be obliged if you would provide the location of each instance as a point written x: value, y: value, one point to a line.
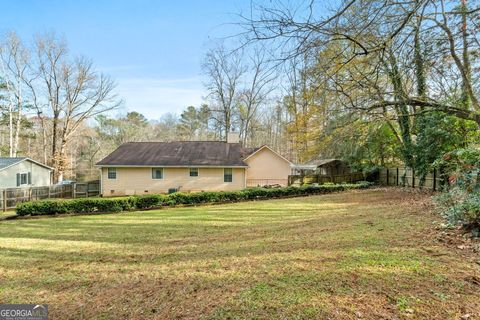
x: 402, y: 112
x: 465, y: 57
x: 44, y: 138
x: 55, y: 155
x: 10, y: 128
x: 18, y: 124
x: 419, y: 63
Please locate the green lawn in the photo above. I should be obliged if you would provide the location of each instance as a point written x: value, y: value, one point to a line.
x: 361, y: 254
x: 5, y: 214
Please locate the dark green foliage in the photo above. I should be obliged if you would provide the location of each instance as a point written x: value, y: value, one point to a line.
x: 460, y: 208
x: 91, y: 205
x: 438, y: 134
x: 149, y: 201
x: 86, y: 205
x: 366, y: 146
x: 460, y: 204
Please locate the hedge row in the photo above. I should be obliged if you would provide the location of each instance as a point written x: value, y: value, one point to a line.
x: 91, y: 205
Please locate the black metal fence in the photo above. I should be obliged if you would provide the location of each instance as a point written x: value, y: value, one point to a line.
x: 404, y: 177
x: 9, y: 198
x: 407, y: 177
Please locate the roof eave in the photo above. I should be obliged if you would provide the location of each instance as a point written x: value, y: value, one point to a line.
x: 36, y: 162
x: 167, y: 166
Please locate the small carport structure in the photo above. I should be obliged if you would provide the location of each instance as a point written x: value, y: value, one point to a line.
x: 330, y: 167
x: 324, y: 167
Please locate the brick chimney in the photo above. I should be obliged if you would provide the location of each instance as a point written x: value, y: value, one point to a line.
x: 233, y: 137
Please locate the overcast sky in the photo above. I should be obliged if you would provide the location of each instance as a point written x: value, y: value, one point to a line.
x: 153, y: 49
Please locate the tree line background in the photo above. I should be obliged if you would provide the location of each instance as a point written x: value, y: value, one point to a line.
x: 375, y: 82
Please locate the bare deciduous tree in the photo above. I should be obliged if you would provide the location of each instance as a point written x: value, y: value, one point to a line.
x: 372, y: 32
x: 64, y: 92
x: 14, y: 60
x: 257, y: 89
x: 224, y: 71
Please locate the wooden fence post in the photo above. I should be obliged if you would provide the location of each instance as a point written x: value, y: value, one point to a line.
x: 396, y: 183
x: 4, y: 200
x: 434, y: 179
x: 387, y: 176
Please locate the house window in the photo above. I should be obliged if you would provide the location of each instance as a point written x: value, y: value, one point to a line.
x: 193, y: 172
x: 24, y: 178
x: 112, y: 173
x: 157, y: 173
x: 227, y: 175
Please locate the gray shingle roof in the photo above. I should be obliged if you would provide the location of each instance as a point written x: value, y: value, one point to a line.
x: 178, y: 153
x: 7, y: 162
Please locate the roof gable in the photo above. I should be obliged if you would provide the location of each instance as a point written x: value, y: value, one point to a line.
x: 7, y: 162
x: 178, y: 153
x: 265, y: 147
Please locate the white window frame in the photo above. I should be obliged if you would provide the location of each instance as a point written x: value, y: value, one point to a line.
x: 20, y: 175
x: 108, y: 173
x: 190, y: 172
x: 158, y: 168
x: 231, y: 175
x: 26, y: 178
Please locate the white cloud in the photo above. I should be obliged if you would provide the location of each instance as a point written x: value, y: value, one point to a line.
x: 153, y: 97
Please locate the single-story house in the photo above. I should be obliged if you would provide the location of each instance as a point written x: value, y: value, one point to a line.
x: 189, y: 166
x: 326, y: 167
x: 23, y: 172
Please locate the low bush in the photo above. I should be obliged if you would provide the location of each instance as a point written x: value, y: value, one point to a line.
x: 91, y: 205
x: 86, y: 205
x: 459, y: 204
x: 149, y: 201
x: 460, y: 208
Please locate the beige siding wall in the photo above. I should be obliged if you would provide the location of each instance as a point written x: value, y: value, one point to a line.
x: 40, y: 175
x: 139, y: 181
x: 266, y: 167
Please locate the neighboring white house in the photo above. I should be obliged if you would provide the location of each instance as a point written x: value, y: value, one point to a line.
x: 23, y: 172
